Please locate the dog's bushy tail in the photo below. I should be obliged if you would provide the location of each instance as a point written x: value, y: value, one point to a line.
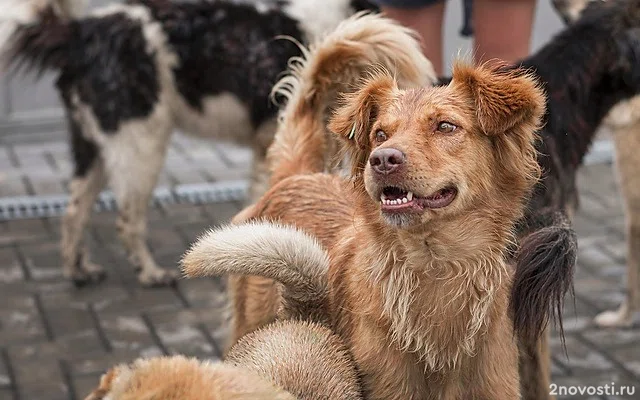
x: 35, y: 33
x: 331, y: 66
x: 545, y: 262
x: 284, y: 254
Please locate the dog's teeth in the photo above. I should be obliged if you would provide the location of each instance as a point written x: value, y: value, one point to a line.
x: 409, y: 196
x: 405, y: 200
x: 383, y: 198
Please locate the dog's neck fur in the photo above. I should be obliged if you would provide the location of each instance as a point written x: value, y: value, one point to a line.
x: 461, y: 262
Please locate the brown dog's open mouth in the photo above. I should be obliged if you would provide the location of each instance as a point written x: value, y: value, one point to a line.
x: 396, y: 199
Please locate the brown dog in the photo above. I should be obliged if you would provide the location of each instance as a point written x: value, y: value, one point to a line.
x: 417, y: 286
x: 284, y: 361
x: 334, y: 65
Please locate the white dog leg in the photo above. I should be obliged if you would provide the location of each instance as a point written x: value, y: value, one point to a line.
x: 627, y: 140
x: 75, y: 260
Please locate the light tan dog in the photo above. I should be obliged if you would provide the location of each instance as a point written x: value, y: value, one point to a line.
x: 417, y: 286
x: 181, y: 378
x: 284, y: 361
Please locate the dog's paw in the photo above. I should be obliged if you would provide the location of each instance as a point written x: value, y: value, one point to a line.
x: 157, y: 277
x: 88, y: 274
x: 623, y: 317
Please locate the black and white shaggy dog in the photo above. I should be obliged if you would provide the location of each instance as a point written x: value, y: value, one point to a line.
x: 129, y: 74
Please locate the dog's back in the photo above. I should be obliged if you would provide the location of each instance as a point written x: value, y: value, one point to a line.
x: 181, y: 378
x: 126, y: 54
x: 306, y: 359
x: 282, y: 361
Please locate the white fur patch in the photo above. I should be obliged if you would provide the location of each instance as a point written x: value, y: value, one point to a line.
x: 318, y: 18
x: 223, y: 117
x: 624, y: 114
x: 283, y: 253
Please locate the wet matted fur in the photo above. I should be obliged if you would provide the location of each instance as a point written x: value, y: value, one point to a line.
x: 334, y: 65
x: 284, y: 360
x: 624, y: 123
x: 129, y: 74
x: 586, y: 70
x: 417, y: 288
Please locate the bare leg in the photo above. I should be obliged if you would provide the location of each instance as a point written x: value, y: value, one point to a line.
x: 502, y: 29
x: 427, y: 21
x: 75, y: 260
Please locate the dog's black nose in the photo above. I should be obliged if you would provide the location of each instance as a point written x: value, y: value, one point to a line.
x: 386, y: 160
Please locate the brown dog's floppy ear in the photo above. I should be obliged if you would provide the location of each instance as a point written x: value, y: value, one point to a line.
x: 352, y: 122
x: 503, y: 97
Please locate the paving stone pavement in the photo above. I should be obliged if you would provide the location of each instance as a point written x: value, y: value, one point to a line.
x: 44, y: 168
x: 56, y: 340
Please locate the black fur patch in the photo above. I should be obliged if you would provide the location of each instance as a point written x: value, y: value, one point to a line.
x: 41, y: 46
x: 545, y: 261
x: 104, y: 60
x: 585, y: 70
x: 83, y: 151
x: 112, y: 70
x: 231, y: 48
x: 363, y: 5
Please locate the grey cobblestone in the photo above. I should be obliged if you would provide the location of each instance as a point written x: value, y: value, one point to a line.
x: 10, y: 268
x: 42, y: 260
x: 20, y: 319
x: 184, y: 332
x: 5, y: 377
x: 44, y: 168
x: 41, y: 380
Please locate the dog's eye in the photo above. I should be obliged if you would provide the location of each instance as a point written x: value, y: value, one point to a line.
x: 446, y: 127
x: 380, y: 136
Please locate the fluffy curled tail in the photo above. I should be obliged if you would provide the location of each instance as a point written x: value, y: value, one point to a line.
x: 331, y: 66
x: 545, y: 262
x: 284, y: 254
x: 35, y: 33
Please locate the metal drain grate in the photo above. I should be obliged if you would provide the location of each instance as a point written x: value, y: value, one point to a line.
x: 53, y: 206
